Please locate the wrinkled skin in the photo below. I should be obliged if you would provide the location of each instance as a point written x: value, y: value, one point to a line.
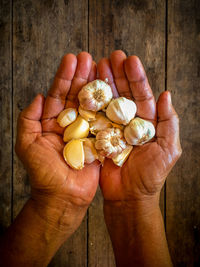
x: 147, y: 167
x: 39, y: 142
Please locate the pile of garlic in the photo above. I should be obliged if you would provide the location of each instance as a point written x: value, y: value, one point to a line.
x: 102, y: 127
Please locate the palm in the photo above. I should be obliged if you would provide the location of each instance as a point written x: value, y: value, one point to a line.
x: 52, y: 174
x: 148, y: 165
x: 147, y: 175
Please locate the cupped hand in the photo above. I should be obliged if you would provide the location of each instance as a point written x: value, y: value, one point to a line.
x: 147, y: 167
x: 40, y: 144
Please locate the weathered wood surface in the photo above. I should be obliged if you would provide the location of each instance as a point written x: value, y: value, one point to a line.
x: 5, y: 115
x: 136, y: 27
x: 183, y: 184
x: 45, y: 30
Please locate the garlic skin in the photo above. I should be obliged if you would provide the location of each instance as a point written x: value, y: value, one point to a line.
x: 88, y: 115
x: 67, y: 116
x: 110, y: 142
x: 95, y: 95
x: 73, y: 154
x: 100, y: 123
x: 121, y: 158
x: 89, y: 150
x: 138, y: 132
x: 78, y: 129
x: 121, y: 110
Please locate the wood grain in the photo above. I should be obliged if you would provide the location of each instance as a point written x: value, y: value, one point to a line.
x: 136, y: 27
x: 43, y: 32
x: 183, y: 185
x: 5, y: 114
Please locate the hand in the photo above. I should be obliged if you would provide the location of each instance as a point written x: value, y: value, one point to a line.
x: 145, y: 171
x: 56, y: 188
x: 131, y: 193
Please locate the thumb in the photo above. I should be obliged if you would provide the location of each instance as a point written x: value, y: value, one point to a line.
x: 28, y: 125
x: 168, y: 123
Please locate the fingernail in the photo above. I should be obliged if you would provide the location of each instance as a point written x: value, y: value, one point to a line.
x: 169, y: 98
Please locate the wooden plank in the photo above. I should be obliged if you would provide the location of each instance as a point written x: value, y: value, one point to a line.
x: 136, y: 27
x: 183, y: 185
x: 43, y: 32
x: 5, y: 114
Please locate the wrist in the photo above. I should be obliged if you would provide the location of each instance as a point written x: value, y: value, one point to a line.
x: 138, y: 208
x: 59, y: 214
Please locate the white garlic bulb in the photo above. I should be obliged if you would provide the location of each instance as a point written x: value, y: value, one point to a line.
x: 67, y: 116
x: 121, y: 110
x: 89, y: 150
x: 110, y: 142
x: 95, y: 95
x: 139, y: 131
x: 100, y: 123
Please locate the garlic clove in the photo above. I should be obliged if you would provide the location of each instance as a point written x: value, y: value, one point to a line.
x: 78, y: 129
x: 100, y: 123
x: 110, y: 142
x: 115, y: 125
x: 120, y: 159
x: 139, y: 131
x: 121, y: 110
x: 88, y: 115
x: 95, y: 95
x: 67, y: 116
x: 89, y: 150
x: 74, y: 154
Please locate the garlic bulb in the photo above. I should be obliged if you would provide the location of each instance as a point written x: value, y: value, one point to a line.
x: 110, y: 142
x: 100, y: 123
x: 122, y: 157
x: 89, y: 150
x: 67, y: 116
x: 139, y: 131
x: 73, y: 154
x: 88, y: 115
x: 78, y: 129
x: 121, y: 110
x: 95, y: 95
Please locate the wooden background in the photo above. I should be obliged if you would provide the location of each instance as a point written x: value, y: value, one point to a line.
x: 165, y: 34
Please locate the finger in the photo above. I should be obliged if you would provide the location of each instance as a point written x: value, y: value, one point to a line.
x: 117, y: 59
x: 28, y: 125
x: 51, y: 126
x: 105, y: 72
x: 55, y: 101
x: 141, y: 91
x: 168, y: 123
x: 84, y: 65
x: 93, y: 72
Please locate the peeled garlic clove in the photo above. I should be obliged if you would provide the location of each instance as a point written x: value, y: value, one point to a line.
x: 121, y: 110
x: 100, y: 123
x: 110, y: 142
x: 89, y: 150
x: 67, y: 116
x: 78, y: 129
x: 95, y: 95
x: 139, y: 131
x: 88, y: 115
x: 74, y: 154
x: 122, y: 157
